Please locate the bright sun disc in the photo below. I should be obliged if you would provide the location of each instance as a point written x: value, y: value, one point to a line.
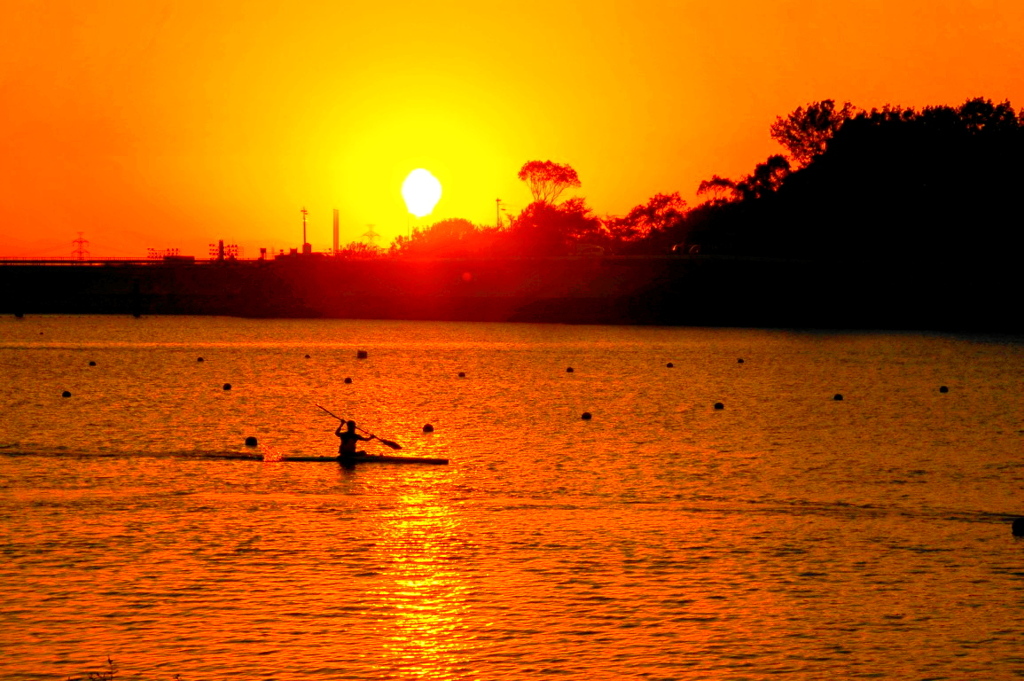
x: 421, y: 191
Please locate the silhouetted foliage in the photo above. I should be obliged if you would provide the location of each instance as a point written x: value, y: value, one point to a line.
x: 360, y: 249
x: 452, y: 238
x: 720, y: 188
x: 545, y: 229
x: 894, y: 185
x: 765, y: 180
x: 651, y: 228
x: 660, y: 213
x: 805, y: 132
x: 548, y: 180
x: 898, y: 183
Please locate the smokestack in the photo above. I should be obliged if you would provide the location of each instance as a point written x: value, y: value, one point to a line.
x: 335, y: 231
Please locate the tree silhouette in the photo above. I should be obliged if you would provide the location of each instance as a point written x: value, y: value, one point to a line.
x: 359, y: 249
x: 451, y: 238
x: 547, y: 180
x: 661, y: 212
x: 721, y: 189
x: 546, y: 229
x: 764, y: 181
x: 806, y: 131
x: 922, y: 183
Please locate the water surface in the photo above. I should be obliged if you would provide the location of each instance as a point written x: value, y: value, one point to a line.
x: 788, y: 534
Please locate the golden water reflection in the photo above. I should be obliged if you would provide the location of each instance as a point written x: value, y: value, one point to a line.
x: 422, y: 588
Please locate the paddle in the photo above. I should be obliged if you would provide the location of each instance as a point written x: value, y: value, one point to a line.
x: 386, y: 443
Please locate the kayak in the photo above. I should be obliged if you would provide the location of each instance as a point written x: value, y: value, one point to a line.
x: 370, y: 459
x: 334, y: 459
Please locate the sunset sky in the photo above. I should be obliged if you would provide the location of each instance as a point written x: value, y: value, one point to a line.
x: 174, y: 124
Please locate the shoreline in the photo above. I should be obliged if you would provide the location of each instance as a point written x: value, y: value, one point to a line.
x: 720, y: 291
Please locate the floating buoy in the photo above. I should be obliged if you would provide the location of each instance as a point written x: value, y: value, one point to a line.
x: 943, y: 389
x: 568, y: 370
x: 739, y: 361
x: 1018, y: 527
x: 719, y: 405
x: 92, y: 364
x: 428, y: 428
x: 837, y: 397
x: 227, y: 386
x: 361, y: 354
x: 670, y: 365
x: 19, y: 315
x: 586, y: 416
x: 200, y: 359
x: 65, y: 394
x: 348, y: 380
x: 307, y: 356
x: 462, y: 374
x: 250, y: 441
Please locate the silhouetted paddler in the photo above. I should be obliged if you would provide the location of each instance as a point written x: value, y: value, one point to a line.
x: 349, y: 438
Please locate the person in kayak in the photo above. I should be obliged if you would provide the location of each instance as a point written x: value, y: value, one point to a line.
x: 349, y: 438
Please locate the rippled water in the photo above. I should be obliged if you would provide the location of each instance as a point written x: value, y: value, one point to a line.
x: 788, y: 534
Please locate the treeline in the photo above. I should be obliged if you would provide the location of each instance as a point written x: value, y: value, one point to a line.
x: 550, y: 226
x: 890, y: 185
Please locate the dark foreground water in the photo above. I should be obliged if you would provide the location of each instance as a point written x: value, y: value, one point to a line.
x: 786, y: 535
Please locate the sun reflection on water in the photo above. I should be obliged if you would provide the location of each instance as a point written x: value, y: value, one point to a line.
x: 424, y: 587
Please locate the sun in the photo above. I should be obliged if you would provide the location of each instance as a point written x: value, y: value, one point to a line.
x: 421, y: 191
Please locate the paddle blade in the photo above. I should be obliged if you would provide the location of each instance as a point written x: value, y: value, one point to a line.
x: 389, y: 443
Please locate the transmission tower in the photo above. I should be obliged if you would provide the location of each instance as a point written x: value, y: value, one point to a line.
x: 80, y: 251
x: 370, y: 236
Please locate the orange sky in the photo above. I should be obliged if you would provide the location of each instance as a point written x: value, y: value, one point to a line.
x: 173, y: 124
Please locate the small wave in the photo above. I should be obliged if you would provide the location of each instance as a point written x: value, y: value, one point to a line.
x: 15, y: 451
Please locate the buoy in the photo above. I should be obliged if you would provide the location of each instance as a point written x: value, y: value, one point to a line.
x: 200, y: 359
x: 250, y: 441
x: 943, y: 389
x: 136, y: 315
x: 719, y: 405
x: 428, y: 428
x: 361, y: 354
x: 307, y: 356
x: 227, y: 386
x: 739, y: 361
x: 568, y: 370
x: 462, y: 374
x: 65, y: 394
x: 586, y: 416
x: 670, y: 365
x: 19, y: 315
x: 837, y: 397
x: 1018, y: 527
x: 348, y: 380
x: 92, y: 364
